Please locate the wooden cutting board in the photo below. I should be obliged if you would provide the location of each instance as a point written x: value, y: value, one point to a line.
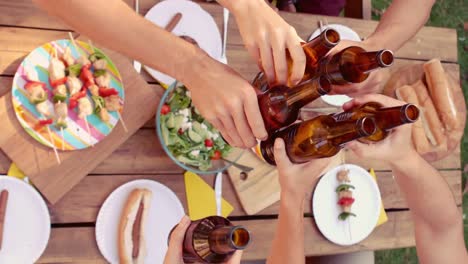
x: 38, y: 162
x: 260, y: 188
x: 410, y: 74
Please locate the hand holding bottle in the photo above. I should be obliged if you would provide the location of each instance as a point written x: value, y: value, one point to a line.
x: 174, y: 252
x: 297, y: 179
x: 226, y: 100
x: 267, y: 37
x: 371, y: 85
x: 398, y: 143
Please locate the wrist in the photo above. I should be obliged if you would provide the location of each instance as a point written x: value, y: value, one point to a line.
x: 291, y: 198
x: 409, y: 158
x: 371, y: 43
x: 194, y: 66
x: 238, y: 7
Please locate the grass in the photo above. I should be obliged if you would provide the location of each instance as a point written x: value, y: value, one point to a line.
x: 450, y: 14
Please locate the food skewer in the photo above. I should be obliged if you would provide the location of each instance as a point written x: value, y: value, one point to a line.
x: 103, y: 81
x: 84, y: 110
x: 53, y: 144
x: 345, y: 197
x: 60, y: 95
x: 61, y: 113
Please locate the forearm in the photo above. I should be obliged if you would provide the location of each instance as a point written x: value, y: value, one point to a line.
x: 288, y: 244
x: 400, y: 22
x: 116, y: 26
x: 427, y: 193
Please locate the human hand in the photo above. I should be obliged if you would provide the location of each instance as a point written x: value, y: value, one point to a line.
x: 396, y: 147
x: 373, y: 84
x: 227, y: 101
x: 174, y: 252
x: 297, y: 179
x: 267, y: 38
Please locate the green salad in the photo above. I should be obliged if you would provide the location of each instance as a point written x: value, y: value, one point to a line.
x: 187, y: 135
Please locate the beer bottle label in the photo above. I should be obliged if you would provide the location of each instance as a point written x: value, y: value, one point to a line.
x: 342, y: 116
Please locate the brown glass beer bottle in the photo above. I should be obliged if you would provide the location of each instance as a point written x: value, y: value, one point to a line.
x: 386, y: 118
x: 314, y: 50
x: 280, y: 105
x: 321, y: 137
x: 213, y: 240
x: 353, y: 64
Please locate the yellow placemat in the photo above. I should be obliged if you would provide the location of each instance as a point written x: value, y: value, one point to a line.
x: 383, y: 216
x: 14, y: 171
x: 201, y: 198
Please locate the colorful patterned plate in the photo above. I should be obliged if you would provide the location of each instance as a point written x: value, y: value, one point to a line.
x: 75, y: 136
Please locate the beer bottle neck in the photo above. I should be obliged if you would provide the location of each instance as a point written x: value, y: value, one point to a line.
x: 390, y: 117
x: 320, y: 45
x: 346, y: 131
x: 307, y: 92
x: 366, y: 62
x: 227, y: 239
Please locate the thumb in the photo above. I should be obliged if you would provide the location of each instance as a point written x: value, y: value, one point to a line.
x: 281, y: 157
x: 174, y: 252
x: 177, y: 236
x: 359, y: 149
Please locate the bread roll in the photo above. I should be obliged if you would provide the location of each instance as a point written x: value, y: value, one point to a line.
x: 406, y: 93
x: 441, y: 93
x: 431, y: 122
x: 128, y: 220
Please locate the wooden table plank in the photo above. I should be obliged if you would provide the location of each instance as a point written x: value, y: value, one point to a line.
x: 142, y: 154
x: 430, y: 42
x: 83, y: 202
x: 78, y: 244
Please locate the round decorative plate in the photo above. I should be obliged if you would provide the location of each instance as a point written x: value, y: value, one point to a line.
x: 76, y: 135
x: 366, y: 207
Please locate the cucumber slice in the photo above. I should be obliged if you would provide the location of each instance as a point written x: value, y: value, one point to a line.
x: 178, y: 120
x: 170, y: 123
x: 188, y: 161
x: 194, y: 136
x: 165, y: 135
x: 197, y: 128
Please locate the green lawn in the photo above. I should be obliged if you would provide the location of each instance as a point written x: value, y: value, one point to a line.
x: 451, y: 14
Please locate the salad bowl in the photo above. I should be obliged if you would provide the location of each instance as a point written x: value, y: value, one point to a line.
x: 188, y: 139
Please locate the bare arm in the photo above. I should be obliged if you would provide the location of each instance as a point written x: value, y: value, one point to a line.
x: 288, y: 244
x: 115, y: 25
x: 437, y: 220
x: 296, y: 181
x: 400, y: 22
x: 233, y: 110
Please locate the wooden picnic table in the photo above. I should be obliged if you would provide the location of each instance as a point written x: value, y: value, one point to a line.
x: 23, y: 27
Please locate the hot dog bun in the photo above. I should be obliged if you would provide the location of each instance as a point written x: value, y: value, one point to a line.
x: 406, y: 93
x: 432, y: 126
x: 126, y: 224
x: 441, y: 93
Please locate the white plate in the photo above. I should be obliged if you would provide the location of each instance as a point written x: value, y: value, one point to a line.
x: 366, y: 207
x: 195, y: 23
x: 27, y: 223
x: 165, y: 212
x: 348, y: 34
